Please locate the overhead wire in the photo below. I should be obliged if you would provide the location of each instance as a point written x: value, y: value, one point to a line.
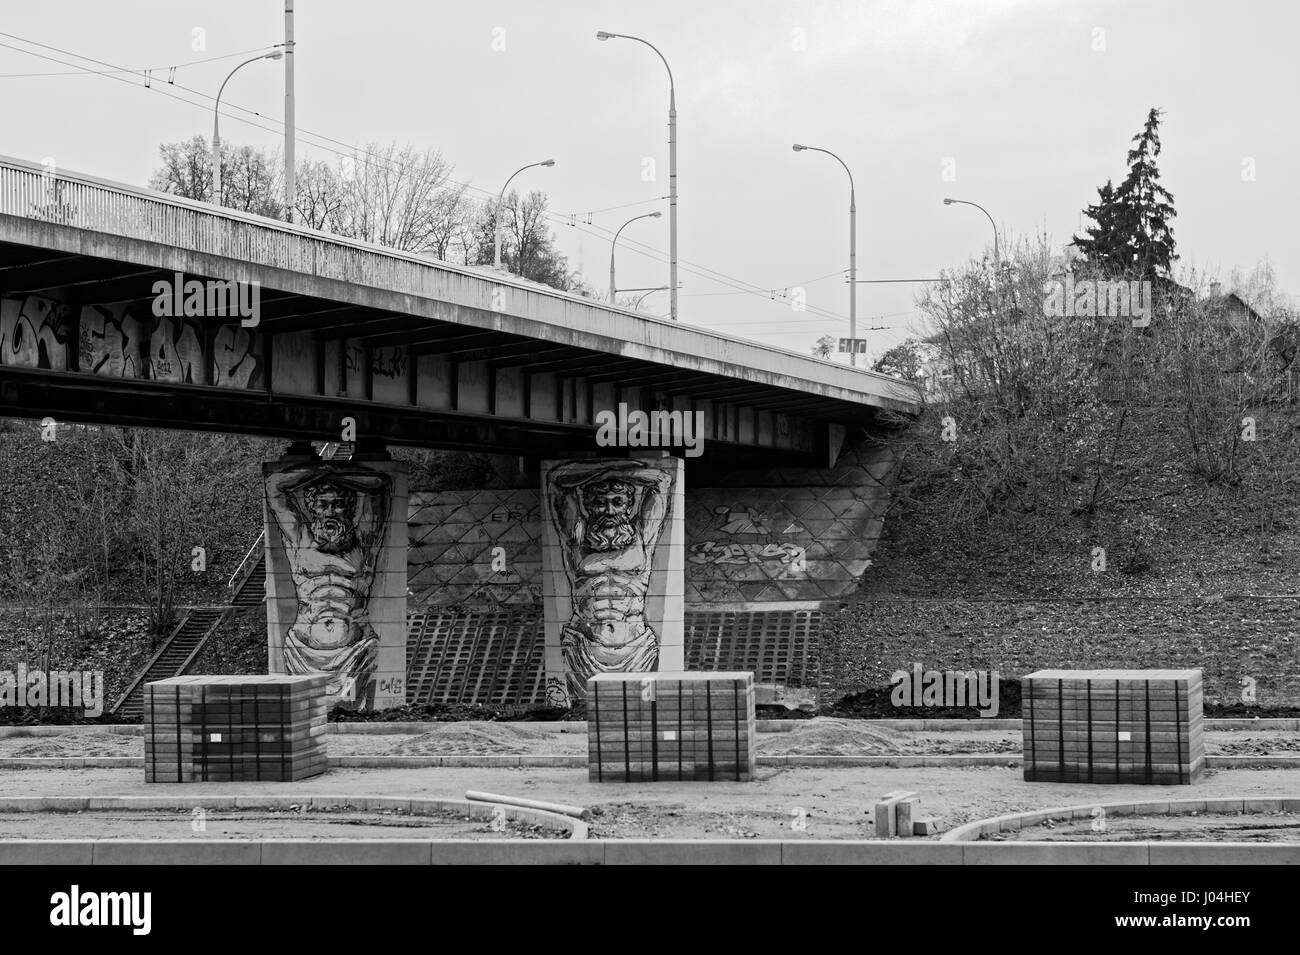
x: 737, y: 285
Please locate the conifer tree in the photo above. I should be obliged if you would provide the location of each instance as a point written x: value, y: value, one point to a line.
x: 1132, y: 235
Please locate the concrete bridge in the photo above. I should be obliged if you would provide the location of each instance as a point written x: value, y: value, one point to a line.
x: 123, y: 306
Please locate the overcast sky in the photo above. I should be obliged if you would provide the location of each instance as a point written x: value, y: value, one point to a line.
x: 1030, y: 104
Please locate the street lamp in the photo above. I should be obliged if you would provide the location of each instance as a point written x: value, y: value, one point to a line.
x: 216, y: 119
x: 496, y: 224
x: 672, y: 168
x: 962, y: 202
x: 853, y: 246
x: 648, y: 215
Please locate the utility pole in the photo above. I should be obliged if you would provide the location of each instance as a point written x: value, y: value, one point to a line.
x: 290, y: 169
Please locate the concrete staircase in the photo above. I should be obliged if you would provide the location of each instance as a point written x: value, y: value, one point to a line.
x: 173, y: 658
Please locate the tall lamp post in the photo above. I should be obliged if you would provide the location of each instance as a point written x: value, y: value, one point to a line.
x: 496, y: 225
x: 853, y: 246
x: 614, y: 244
x: 997, y: 262
x: 216, y: 120
x: 672, y: 168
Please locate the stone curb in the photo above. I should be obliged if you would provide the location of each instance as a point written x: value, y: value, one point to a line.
x: 634, y: 852
x: 577, y: 761
x: 972, y: 831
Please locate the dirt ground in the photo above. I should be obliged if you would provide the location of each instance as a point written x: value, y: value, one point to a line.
x: 821, y: 737
x: 1214, y: 827
x: 836, y: 803
x: 259, y: 824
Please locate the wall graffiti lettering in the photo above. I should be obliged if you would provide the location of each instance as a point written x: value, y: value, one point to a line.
x: 34, y: 332
x: 119, y: 344
x: 713, y: 552
x: 384, y: 362
x: 556, y: 694
x: 176, y: 352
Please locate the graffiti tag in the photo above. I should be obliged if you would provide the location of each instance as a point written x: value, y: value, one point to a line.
x: 713, y: 552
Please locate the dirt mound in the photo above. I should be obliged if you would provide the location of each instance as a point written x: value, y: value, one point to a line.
x: 485, y: 739
x: 72, y: 745
x: 834, y: 737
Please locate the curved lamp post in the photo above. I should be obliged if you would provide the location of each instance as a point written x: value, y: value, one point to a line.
x: 612, y: 245
x: 853, y: 245
x: 216, y: 119
x: 963, y: 202
x: 496, y: 225
x: 672, y: 167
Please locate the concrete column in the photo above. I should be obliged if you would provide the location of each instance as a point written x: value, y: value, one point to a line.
x: 613, y: 569
x: 336, y: 553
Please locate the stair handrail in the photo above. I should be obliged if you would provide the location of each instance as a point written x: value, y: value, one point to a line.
x: 202, y: 643
x: 245, y: 569
x: 152, y: 660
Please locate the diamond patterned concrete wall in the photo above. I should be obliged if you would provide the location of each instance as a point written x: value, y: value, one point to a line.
x: 453, y: 540
x: 758, y: 537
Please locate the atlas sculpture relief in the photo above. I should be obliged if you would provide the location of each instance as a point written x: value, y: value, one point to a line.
x: 332, y: 520
x: 608, y: 516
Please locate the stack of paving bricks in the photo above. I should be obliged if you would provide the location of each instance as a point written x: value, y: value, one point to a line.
x: 1113, y: 726
x: 234, y: 728
x: 647, y: 727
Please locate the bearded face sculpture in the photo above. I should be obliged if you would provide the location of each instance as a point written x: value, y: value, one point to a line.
x: 610, y: 507
x: 331, y: 519
x: 331, y: 510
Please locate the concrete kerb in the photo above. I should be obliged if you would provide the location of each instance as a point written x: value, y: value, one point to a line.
x: 972, y: 831
x: 576, y: 828
x: 577, y: 761
x: 633, y: 852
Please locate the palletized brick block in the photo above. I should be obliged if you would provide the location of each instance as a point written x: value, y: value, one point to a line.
x: 1109, y: 726
x: 670, y: 726
x: 235, y: 728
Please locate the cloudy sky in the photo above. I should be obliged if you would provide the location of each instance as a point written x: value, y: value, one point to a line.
x: 1024, y: 107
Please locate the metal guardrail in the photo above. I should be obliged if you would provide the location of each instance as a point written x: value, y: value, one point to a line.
x: 245, y: 567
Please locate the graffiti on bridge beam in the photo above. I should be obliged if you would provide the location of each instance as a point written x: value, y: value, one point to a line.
x: 118, y: 343
x: 34, y: 332
x: 384, y: 362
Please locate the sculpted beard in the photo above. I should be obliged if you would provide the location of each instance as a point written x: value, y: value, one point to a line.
x: 332, y: 535
x: 608, y: 532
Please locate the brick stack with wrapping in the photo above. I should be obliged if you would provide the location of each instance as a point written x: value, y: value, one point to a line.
x: 647, y: 727
x: 1113, y: 726
x: 234, y: 728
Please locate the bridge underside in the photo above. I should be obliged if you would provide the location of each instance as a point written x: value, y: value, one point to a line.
x: 624, y: 557
x: 81, y: 340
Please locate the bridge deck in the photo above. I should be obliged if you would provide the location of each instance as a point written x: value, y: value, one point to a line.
x: 429, y: 352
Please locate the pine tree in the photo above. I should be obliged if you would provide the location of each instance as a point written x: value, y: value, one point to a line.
x: 1132, y: 235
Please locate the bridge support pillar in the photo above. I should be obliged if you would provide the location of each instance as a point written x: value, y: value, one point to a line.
x: 613, y: 569
x: 336, y: 552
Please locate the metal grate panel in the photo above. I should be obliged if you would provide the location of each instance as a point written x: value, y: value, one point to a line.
x: 475, y: 655
x: 778, y: 646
